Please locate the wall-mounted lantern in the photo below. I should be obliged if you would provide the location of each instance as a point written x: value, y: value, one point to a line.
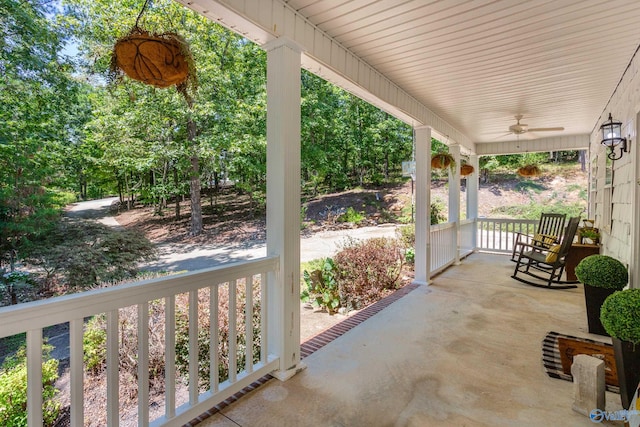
x: 612, y: 138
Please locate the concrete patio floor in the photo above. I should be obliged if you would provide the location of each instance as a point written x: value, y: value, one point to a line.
x: 464, y: 351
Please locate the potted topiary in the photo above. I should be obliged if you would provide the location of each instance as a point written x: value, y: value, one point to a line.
x: 620, y: 316
x: 601, y: 276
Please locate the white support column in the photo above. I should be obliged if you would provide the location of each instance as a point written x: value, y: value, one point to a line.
x: 422, y: 139
x: 283, y: 202
x: 454, y: 197
x: 472, y: 194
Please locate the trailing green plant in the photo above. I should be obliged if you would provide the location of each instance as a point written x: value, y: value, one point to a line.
x: 620, y: 315
x: 322, y: 287
x: 602, y: 271
x: 13, y: 389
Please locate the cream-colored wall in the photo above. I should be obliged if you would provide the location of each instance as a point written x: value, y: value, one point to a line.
x: 618, y: 236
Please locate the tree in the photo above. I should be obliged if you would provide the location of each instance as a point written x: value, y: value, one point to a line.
x: 39, y: 108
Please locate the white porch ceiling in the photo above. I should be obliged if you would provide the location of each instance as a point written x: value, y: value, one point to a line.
x: 475, y: 64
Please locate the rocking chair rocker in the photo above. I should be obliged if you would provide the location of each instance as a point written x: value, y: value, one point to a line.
x: 547, y: 234
x: 546, y: 264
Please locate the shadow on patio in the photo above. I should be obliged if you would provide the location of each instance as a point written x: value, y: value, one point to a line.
x: 464, y: 351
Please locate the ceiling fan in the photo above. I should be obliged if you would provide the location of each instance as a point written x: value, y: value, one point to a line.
x: 520, y: 128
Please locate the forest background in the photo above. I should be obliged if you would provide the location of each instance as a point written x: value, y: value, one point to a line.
x: 70, y: 133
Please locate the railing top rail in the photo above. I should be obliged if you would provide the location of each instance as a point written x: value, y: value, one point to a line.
x: 39, y: 314
x: 443, y: 226
x: 508, y: 220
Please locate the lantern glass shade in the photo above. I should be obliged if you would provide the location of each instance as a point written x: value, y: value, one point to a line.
x: 611, y: 132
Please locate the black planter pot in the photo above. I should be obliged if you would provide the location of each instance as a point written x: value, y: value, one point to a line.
x: 627, y: 357
x: 594, y: 297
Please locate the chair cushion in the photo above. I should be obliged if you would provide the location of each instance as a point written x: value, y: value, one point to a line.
x: 552, y: 256
x: 544, y: 239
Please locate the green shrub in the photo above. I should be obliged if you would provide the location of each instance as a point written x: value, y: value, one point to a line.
x: 437, y: 209
x: 410, y: 255
x: 620, y: 315
x: 322, y: 287
x: 602, y: 271
x: 13, y: 389
x: 95, y: 344
x: 352, y: 216
x: 407, y: 235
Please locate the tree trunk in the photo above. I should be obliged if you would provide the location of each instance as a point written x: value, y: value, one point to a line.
x: 582, y: 158
x: 194, y: 183
x: 178, y: 196
x: 194, y: 187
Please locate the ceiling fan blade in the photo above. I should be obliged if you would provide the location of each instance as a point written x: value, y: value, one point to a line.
x: 544, y: 129
x: 502, y: 136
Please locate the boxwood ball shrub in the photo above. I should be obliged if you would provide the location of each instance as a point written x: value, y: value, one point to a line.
x: 602, y: 271
x: 620, y: 315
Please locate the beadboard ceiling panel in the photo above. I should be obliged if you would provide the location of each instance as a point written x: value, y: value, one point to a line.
x: 476, y: 64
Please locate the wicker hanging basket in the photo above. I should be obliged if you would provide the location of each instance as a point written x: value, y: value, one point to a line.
x: 529, y: 171
x: 159, y: 60
x: 442, y: 161
x: 466, y: 170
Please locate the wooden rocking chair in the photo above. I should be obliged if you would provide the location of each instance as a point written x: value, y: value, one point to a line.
x: 546, y: 264
x: 547, y: 234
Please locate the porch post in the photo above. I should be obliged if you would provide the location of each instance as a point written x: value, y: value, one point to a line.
x: 472, y: 196
x: 283, y: 203
x: 422, y: 267
x: 454, y: 198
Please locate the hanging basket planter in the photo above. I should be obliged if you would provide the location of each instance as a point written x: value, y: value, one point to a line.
x: 466, y: 170
x: 529, y: 171
x: 442, y: 161
x: 159, y: 60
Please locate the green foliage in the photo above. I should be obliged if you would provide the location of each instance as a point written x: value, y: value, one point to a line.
x: 437, y: 209
x: 410, y: 255
x: 602, y: 271
x: 407, y: 235
x: 620, y: 315
x: 13, y: 389
x: 351, y: 216
x: 322, y: 287
x: 13, y: 281
x: 94, y: 344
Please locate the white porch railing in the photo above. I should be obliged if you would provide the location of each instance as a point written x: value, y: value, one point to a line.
x: 482, y: 234
x: 444, y: 244
x: 33, y: 317
x: 497, y: 234
x: 467, y: 234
